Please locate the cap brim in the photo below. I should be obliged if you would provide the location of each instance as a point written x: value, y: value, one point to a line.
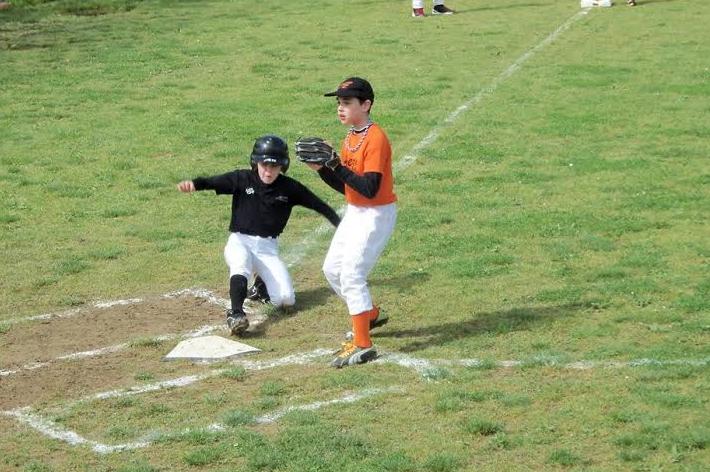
x: 347, y: 93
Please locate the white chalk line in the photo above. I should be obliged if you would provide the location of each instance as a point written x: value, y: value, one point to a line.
x: 201, y: 331
x: 51, y: 429
x: 195, y: 292
x: 427, y: 368
x: 411, y: 157
x: 295, y: 253
x: 74, y: 311
x: 294, y: 359
x: 298, y: 251
x: 255, y: 317
x: 54, y: 431
x: 317, y: 405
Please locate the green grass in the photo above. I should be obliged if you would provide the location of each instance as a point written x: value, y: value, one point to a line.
x: 561, y: 218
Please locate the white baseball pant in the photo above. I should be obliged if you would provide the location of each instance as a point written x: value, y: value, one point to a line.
x: 246, y: 254
x: 358, y: 242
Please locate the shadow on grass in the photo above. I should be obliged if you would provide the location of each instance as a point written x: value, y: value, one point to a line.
x: 319, y: 296
x: 304, y: 300
x: 498, y: 322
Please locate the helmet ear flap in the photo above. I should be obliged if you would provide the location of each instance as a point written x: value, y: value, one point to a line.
x: 272, y: 150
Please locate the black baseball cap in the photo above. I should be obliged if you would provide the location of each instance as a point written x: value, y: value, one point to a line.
x: 354, y: 87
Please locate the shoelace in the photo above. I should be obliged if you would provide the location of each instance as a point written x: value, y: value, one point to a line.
x: 348, y: 348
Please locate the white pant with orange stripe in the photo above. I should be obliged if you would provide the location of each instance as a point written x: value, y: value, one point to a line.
x: 358, y: 242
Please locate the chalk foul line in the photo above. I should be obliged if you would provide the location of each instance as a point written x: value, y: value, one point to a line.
x: 426, y: 368
x: 51, y: 429
x: 201, y: 331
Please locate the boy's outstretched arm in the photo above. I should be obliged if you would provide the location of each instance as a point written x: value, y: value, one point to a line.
x: 313, y: 202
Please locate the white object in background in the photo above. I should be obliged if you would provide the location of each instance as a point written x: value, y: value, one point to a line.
x: 596, y: 3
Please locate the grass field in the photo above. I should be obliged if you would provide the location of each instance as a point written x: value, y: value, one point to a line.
x: 547, y: 283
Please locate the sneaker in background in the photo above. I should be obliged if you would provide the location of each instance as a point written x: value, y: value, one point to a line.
x: 441, y: 10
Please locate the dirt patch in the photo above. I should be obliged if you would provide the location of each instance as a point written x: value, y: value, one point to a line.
x: 45, y: 340
x: 65, y: 381
x: 60, y: 380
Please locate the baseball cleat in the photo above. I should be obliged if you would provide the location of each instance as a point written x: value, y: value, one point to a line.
x: 381, y: 320
x: 351, y: 354
x: 258, y: 292
x: 441, y: 10
x: 237, y: 322
x: 418, y: 12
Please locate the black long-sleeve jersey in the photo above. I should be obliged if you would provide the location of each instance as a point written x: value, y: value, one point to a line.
x: 259, y: 209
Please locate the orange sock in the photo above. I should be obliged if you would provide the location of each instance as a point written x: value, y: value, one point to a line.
x: 374, y: 313
x: 361, y: 329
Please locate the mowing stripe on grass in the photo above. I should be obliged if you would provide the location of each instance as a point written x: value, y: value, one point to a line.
x: 49, y: 428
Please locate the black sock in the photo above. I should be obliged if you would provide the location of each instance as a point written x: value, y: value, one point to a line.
x: 237, y: 292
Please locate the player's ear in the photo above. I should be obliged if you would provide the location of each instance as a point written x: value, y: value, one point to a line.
x: 368, y: 103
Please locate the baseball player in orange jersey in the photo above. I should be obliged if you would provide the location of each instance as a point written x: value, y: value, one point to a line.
x: 364, y: 175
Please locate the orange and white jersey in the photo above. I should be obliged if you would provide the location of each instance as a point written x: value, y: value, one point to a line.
x: 373, y: 155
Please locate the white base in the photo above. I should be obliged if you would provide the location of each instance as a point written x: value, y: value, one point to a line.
x: 596, y: 3
x: 208, y: 348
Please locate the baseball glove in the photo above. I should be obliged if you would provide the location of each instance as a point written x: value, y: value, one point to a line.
x: 315, y: 150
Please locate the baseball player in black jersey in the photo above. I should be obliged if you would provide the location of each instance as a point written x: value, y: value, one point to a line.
x: 262, y: 200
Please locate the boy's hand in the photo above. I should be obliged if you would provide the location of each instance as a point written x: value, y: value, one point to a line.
x: 186, y: 186
x: 314, y: 166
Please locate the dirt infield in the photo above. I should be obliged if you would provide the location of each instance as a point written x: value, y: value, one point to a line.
x: 34, y: 371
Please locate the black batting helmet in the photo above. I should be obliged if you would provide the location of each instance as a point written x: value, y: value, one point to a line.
x: 272, y: 150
